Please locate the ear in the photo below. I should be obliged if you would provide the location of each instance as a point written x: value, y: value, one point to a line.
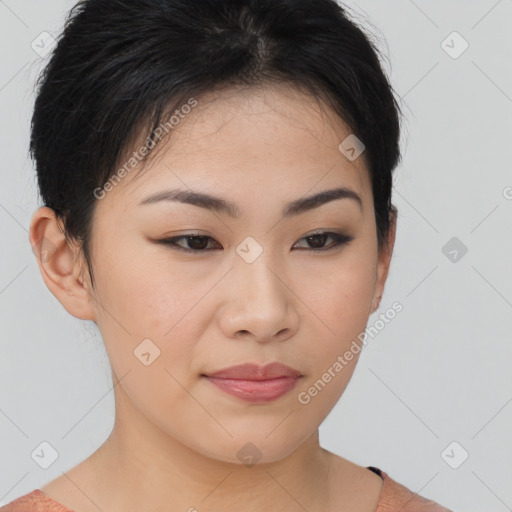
x: 60, y: 264
x: 384, y: 261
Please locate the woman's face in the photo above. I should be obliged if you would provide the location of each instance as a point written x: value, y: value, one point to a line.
x: 254, y: 290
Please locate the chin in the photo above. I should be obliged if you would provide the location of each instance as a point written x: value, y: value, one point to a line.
x: 254, y: 450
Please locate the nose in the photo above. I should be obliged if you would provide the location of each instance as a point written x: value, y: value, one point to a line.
x: 260, y: 304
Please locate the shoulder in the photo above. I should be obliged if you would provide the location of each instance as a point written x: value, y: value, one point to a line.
x: 395, y: 497
x: 34, y: 501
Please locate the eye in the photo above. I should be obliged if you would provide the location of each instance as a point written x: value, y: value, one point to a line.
x: 318, y: 239
x: 195, y: 243
x: 198, y: 243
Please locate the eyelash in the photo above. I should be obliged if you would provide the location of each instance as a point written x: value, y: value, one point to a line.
x: 339, y: 239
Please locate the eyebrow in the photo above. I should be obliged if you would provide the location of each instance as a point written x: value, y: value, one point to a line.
x: 220, y: 205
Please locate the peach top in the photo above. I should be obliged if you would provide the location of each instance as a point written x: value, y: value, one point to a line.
x: 394, y: 497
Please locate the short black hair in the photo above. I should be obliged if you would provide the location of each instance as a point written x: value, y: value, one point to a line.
x: 122, y: 64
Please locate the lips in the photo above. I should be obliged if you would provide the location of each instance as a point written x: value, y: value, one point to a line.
x: 250, y: 371
x: 254, y: 383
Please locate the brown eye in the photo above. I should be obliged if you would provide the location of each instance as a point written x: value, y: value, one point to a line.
x: 317, y: 240
x: 194, y: 243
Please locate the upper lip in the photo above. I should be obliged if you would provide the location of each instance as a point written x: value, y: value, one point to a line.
x: 251, y: 371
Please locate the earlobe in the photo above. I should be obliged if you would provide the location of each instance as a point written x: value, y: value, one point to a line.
x: 375, y: 304
x: 59, y: 264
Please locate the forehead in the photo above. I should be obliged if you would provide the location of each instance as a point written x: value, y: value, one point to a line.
x: 243, y: 140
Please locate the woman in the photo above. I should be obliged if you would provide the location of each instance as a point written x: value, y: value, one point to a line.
x: 216, y: 179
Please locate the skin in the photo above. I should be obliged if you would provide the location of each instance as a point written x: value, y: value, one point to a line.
x: 176, y: 436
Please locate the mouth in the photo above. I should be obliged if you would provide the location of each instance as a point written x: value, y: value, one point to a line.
x: 255, y: 384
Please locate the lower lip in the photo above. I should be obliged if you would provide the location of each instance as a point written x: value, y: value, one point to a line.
x: 256, y: 390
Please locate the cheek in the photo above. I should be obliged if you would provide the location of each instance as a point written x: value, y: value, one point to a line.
x: 339, y: 303
x: 145, y: 297
x: 339, y: 295
x: 147, y: 314
x: 150, y: 338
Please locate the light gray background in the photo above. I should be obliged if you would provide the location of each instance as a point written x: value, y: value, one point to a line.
x: 439, y: 372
